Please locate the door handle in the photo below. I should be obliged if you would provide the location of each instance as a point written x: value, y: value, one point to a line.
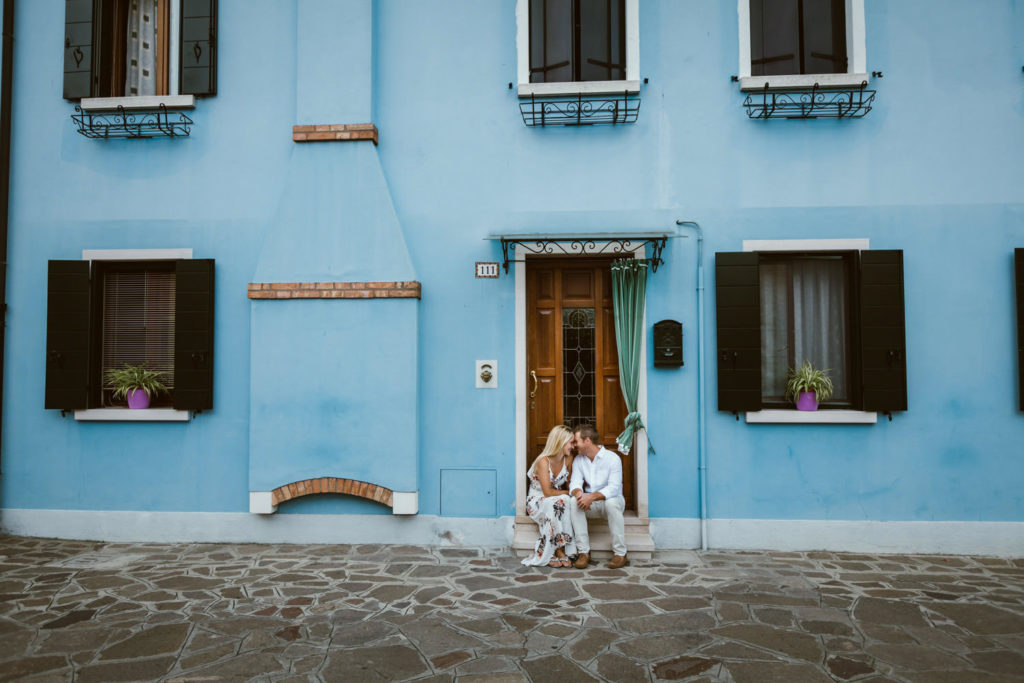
x: 533, y: 374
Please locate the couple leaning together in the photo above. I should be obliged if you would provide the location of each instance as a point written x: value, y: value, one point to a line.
x: 572, y: 479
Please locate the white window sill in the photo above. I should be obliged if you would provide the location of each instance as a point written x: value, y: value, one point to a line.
x: 579, y: 88
x: 802, y: 81
x: 128, y: 415
x: 138, y: 103
x: 840, y: 417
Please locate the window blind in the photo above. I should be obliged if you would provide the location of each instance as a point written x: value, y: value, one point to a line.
x: 138, y: 321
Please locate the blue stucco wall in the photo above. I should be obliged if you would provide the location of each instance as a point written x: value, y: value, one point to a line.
x: 933, y: 170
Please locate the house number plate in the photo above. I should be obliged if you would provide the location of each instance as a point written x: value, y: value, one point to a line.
x: 486, y: 269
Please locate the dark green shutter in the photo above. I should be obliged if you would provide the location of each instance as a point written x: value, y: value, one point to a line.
x: 67, y: 335
x: 198, y: 47
x: 193, y: 335
x: 738, y: 303
x: 78, y: 49
x: 882, y: 331
x: 1019, y: 270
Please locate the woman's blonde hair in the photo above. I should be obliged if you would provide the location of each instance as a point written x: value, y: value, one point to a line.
x: 557, y: 438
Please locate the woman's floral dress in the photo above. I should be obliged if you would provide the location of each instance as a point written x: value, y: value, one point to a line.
x: 552, y: 516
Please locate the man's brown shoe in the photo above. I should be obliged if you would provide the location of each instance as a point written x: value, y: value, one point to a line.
x: 618, y: 562
x: 582, y: 561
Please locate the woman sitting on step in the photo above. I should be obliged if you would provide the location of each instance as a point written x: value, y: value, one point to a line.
x: 548, y: 500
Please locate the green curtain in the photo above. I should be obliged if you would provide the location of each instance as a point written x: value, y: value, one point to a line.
x: 629, y: 290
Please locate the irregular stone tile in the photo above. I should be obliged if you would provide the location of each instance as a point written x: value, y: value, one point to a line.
x: 207, y: 657
x: 482, y: 666
x: 242, y: 625
x: 152, y: 641
x: 885, y: 634
x: 618, y: 591
x: 622, y: 610
x: 847, y: 668
x: 768, y: 599
x: 591, y: 642
x: 362, y: 633
x: 682, y: 668
x: 980, y: 619
x: 675, y: 604
x: 671, y: 622
x: 185, y: 583
x: 483, y: 626
x: 550, y: 591
x: 73, y: 617
x: 915, y: 657
x: 521, y: 624
x: 132, y: 670
x: 617, y: 668
x: 732, y: 611
x: 426, y: 571
x: 390, y: 663
x: 538, y: 642
x: 660, y: 647
x: 433, y: 636
x: 478, y: 583
x: 494, y: 678
x: 729, y: 650
x: 774, y: 616
x: 29, y: 666
x: 771, y: 672
x: 834, y: 628
x: 242, y: 667
x: 999, y: 661
x: 557, y: 630
x: 792, y: 643
x: 554, y: 669
x: 961, y: 676
x: 888, y: 612
x: 449, y: 660
x: 70, y: 640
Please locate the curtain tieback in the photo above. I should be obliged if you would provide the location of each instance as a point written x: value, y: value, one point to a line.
x: 634, y: 423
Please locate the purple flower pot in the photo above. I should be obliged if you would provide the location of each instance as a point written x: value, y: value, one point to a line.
x: 138, y: 399
x: 807, y: 400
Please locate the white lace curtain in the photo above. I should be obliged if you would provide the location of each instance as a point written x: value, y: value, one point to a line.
x: 803, y: 317
x: 141, y: 67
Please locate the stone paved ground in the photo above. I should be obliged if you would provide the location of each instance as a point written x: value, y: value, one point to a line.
x: 116, y: 611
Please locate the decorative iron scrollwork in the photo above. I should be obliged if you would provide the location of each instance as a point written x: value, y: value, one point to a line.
x: 580, y: 110
x: 578, y: 246
x: 137, y: 124
x: 846, y: 103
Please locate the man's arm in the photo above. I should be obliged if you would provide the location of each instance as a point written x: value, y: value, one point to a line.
x: 614, y: 486
x: 576, y: 481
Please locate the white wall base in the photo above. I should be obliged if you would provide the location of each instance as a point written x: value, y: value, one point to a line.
x: 262, y: 503
x: 1004, y: 539
x: 244, y: 527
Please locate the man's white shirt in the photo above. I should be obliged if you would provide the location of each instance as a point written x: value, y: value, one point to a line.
x: 603, y: 474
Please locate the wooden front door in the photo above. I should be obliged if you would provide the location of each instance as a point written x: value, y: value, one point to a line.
x: 571, y: 359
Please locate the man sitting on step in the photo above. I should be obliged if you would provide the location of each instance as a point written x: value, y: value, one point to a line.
x: 597, y: 486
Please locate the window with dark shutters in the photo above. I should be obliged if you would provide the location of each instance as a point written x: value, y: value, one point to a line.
x: 198, y: 47
x: 193, y: 335
x: 882, y: 331
x: 78, y: 49
x: 738, y: 306
x: 68, y: 304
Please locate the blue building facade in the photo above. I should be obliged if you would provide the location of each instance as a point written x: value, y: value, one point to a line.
x: 349, y: 163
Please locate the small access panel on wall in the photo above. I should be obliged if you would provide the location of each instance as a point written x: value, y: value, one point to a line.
x: 668, y: 344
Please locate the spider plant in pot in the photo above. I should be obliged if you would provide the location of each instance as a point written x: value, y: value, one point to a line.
x: 808, y: 385
x: 135, y: 383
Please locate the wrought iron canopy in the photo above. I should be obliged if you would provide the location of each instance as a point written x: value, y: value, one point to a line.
x: 144, y: 123
x: 580, y: 245
x: 580, y: 110
x: 842, y: 103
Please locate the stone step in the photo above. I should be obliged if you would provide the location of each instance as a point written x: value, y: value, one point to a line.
x: 638, y: 537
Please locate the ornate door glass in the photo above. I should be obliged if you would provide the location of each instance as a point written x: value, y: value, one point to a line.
x: 579, y: 398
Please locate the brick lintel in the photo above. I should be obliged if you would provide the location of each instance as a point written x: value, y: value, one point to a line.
x: 335, y: 132
x: 409, y: 289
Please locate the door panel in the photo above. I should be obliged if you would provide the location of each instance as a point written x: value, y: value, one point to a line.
x: 571, y: 350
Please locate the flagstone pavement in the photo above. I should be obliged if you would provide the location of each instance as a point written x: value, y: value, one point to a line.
x: 91, y: 611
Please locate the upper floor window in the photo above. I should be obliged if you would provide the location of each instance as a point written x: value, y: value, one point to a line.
x: 800, y: 43
x: 577, y: 46
x: 138, y: 48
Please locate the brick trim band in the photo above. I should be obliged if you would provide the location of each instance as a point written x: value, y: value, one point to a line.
x: 335, y: 290
x: 351, y: 487
x: 335, y: 132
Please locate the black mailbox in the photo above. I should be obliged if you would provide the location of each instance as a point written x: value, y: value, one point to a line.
x: 668, y: 344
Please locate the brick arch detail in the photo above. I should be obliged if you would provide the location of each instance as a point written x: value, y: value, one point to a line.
x: 351, y: 487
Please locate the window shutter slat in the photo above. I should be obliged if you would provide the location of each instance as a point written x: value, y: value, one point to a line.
x: 738, y: 307
x: 883, y: 331
x: 193, y: 334
x: 78, y: 16
x: 67, y: 335
x: 198, y: 72
x: 1018, y: 255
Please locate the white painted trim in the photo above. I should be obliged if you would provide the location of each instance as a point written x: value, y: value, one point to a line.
x: 138, y: 102
x: 804, y: 81
x: 632, y: 82
x: 640, y: 449
x: 135, y: 254
x: 852, y: 244
x: 1004, y: 539
x: 115, y: 414
x: 856, y: 45
x: 579, y: 88
x: 405, y: 502
x: 818, y: 417
x: 261, y: 503
x: 244, y: 527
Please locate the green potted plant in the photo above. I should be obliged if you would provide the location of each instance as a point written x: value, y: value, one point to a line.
x: 808, y: 385
x: 136, y: 383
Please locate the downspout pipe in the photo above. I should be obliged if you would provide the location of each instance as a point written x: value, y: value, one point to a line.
x: 6, y: 83
x: 702, y: 455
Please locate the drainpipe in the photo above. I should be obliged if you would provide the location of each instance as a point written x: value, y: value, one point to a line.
x: 6, y: 80
x: 702, y: 457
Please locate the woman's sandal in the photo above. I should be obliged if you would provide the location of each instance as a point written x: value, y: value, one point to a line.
x: 555, y: 562
x: 565, y: 562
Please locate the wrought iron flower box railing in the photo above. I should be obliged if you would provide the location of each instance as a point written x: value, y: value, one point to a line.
x: 580, y: 110
x: 816, y: 103
x: 582, y: 246
x: 118, y: 123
